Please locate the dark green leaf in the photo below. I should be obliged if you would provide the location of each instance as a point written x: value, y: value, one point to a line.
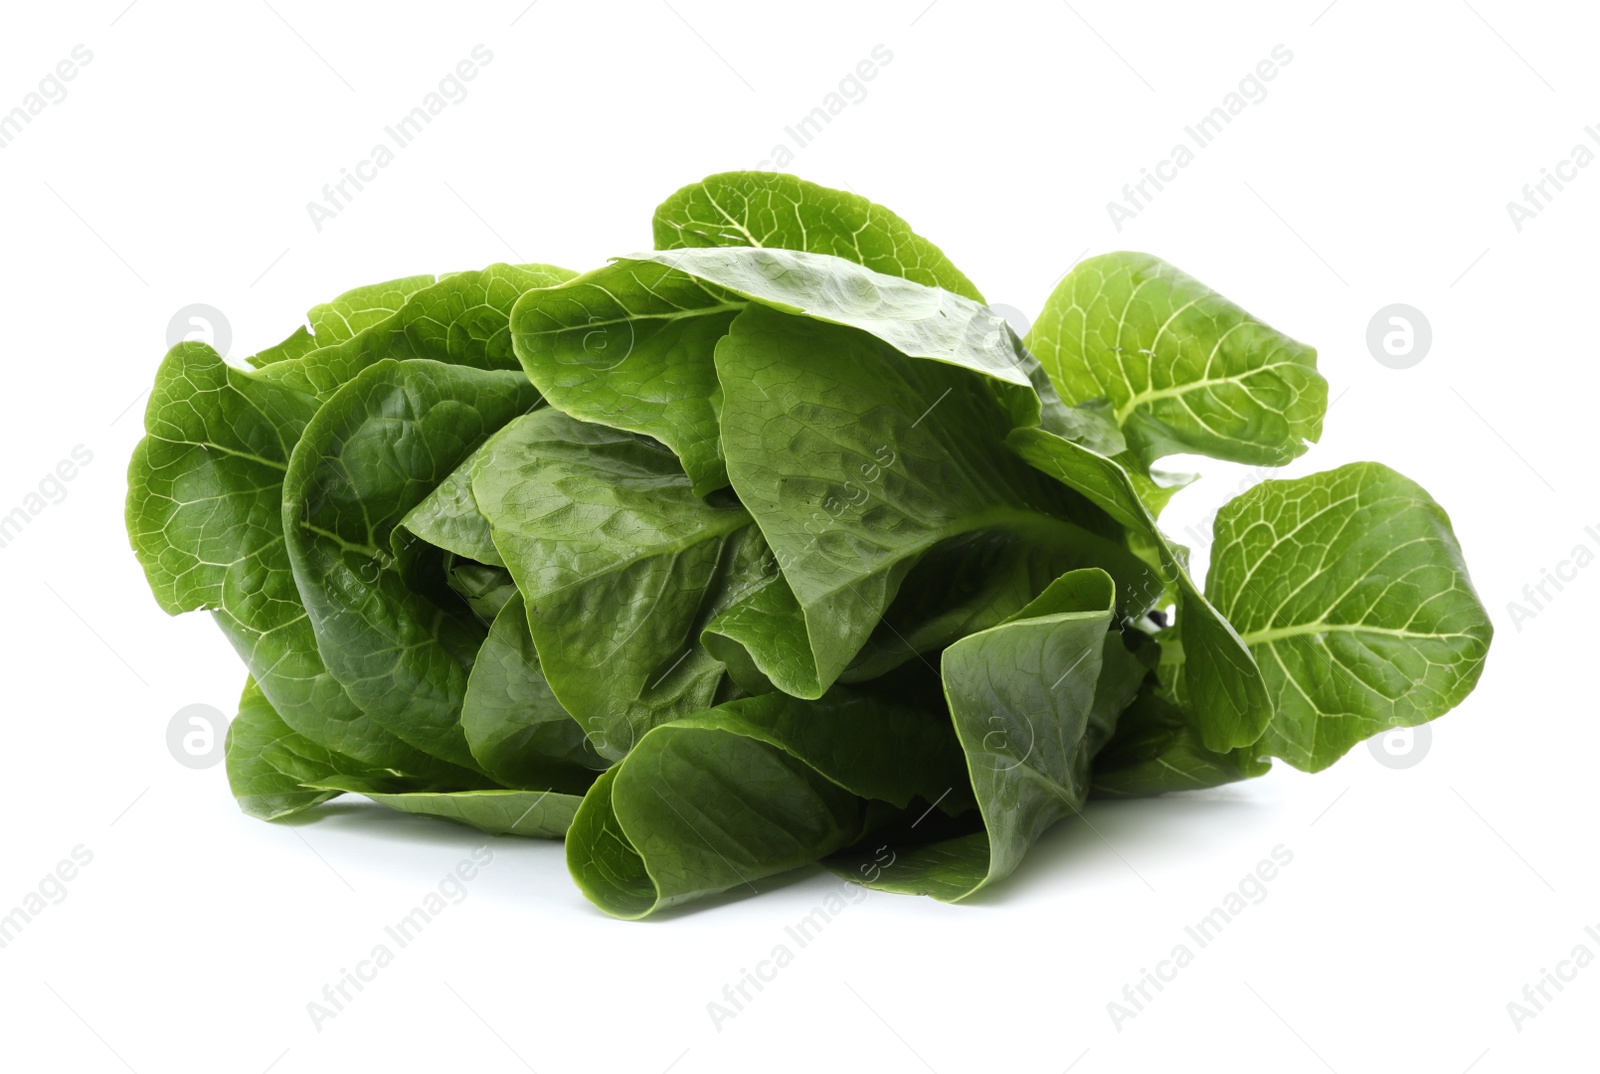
x: 377, y: 449
x: 724, y: 798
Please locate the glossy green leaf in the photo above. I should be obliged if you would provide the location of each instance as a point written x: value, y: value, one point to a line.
x: 727, y: 797
x: 1225, y: 688
x: 1029, y: 699
x: 774, y: 209
x: 449, y: 518
x: 514, y: 725
x: 856, y: 461
x: 375, y: 450
x: 205, y: 495
x: 1184, y: 369
x: 621, y: 566
x: 631, y: 345
x: 275, y: 772
x: 1350, y: 588
x: 460, y: 319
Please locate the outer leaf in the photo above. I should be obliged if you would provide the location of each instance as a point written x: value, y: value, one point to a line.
x: 630, y: 345
x: 298, y: 344
x: 751, y: 788
x: 1186, y: 371
x: 205, y: 492
x: 917, y: 321
x: 361, y: 308
x: 275, y: 772
x: 856, y: 461
x: 1350, y: 588
x: 1225, y: 689
x: 1030, y: 699
x: 461, y: 319
x: 773, y: 209
x: 372, y: 453
x: 621, y: 565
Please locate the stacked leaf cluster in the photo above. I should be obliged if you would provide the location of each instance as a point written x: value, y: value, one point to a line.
x: 776, y: 545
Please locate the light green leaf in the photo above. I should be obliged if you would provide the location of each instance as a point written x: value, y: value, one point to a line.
x: 460, y: 319
x: 298, y: 344
x: 1185, y: 370
x: 773, y: 209
x: 1350, y: 588
x: 361, y: 308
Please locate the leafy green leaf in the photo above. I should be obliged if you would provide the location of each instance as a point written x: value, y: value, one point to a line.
x: 449, y: 518
x: 361, y: 308
x: 773, y: 209
x: 1029, y: 699
x: 631, y: 345
x: 536, y: 814
x: 461, y: 319
x: 856, y: 461
x: 297, y: 344
x: 1350, y: 588
x: 374, y: 451
x: 1185, y: 370
x: 1224, y: 687
x: 514, y: 725
x: 275, y: 772
x: 621, y: 566
x: 205, y: 495
x: 755, y: 787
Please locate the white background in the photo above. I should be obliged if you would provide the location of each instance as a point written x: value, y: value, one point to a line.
x: 1377, y: 170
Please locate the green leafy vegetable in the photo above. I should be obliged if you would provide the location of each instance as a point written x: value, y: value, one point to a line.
x: 775, y: 546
